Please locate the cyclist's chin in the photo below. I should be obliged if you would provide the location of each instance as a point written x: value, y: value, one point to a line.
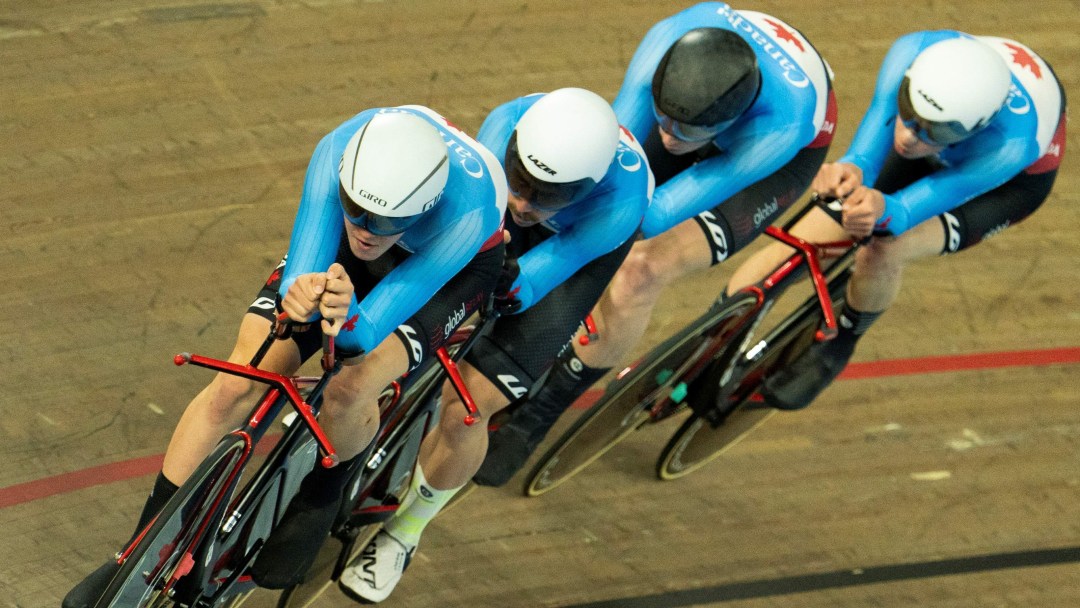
x: 367, y: 246
x: 678, y: 147
x: 525, y: 221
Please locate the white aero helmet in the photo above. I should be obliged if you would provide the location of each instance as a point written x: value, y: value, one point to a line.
x: 953, y: 89
x: 561, y: 148
x: 393, y: 170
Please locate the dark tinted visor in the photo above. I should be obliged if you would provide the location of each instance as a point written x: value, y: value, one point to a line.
x: 544, y: 196
x: 929, y: 131
x: 379, y: 225
x: 690, y: 133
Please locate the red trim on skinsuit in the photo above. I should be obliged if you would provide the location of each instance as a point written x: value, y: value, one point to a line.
x: 1052, y: 159
x: 149, y: 465
x: 828, y: 128
x: 495, y: 238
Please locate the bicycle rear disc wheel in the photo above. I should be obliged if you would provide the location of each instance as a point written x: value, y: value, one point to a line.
x: 628, y: 402
x: 176, y: 531
x: 697, y: 442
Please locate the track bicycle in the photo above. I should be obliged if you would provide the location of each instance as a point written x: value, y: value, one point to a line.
x: 197, y: 552
x: 713, y: 367
x: 409, y: 409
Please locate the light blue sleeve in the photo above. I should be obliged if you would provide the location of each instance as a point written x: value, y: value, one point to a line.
x: 317, y: 229
x: 409, y: 286
x: 606, y: 223
x: 761, y: 145
x: 497, y: 127
x: 979, y: 171
x: 634, y: 104
x: 874, y: 138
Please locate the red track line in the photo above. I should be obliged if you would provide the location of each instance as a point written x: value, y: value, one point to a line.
x: 958, y: 363
x: 95, y: 476
x: 138, y: 467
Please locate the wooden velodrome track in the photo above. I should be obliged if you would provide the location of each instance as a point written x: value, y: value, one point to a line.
x: 153, y: 155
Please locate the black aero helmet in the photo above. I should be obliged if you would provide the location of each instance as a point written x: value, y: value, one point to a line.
x: 707, y: 77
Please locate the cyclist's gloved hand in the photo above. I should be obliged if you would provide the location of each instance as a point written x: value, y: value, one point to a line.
x: 506, y: 300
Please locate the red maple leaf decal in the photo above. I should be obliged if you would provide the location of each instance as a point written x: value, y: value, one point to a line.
x: 274, y: 276
x: 1024, y: 59
x: 784, y: 34
x: 350, y: 324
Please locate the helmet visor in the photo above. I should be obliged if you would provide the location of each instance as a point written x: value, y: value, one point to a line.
x: 379, y: 225
x: 544, y: 196
x: 935, y: 133
x: 690, y: 133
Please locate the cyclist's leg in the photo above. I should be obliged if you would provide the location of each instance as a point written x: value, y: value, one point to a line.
x: 817, y: 226
x: 565, y: 380
x: 212, y: 413
x: 501, y: 367
x: 350, y: 416
x: 623, y: 313
x: 520, y: 352
x: 875, y: 280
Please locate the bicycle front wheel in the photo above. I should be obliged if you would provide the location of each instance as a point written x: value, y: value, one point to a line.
x: 651, y: 390
x: 165, y: 553
x: 697, y: 442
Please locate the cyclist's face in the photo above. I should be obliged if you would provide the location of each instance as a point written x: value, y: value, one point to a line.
x: 908, y: 144
x: 677, y: 146
x: 367, y: 246
x: 525, y: 214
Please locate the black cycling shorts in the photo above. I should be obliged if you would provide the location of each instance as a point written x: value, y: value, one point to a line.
x: 520, y: 348
x: 979, y: 218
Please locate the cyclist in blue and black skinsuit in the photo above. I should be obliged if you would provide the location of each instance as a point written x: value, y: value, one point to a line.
x: 398, y: 232
x: 579, y: 186
x: 736, y: 113
x: 962, y: 139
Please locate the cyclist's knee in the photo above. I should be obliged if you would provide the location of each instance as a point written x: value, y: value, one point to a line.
x: 452, y: 425
x: 452, y: 412
x: 354, y: 392
x: 882, y: 256
x: 226, y: 394
x: 643, y: 274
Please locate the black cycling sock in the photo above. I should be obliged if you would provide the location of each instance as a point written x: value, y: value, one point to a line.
x: 568, y: 379
x: 853, y: 323
x: 162, y: 492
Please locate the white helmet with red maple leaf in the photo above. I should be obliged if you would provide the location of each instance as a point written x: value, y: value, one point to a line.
x: 953, y: 89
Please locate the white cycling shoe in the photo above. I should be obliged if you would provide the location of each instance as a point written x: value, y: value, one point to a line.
x: 372, y: 576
